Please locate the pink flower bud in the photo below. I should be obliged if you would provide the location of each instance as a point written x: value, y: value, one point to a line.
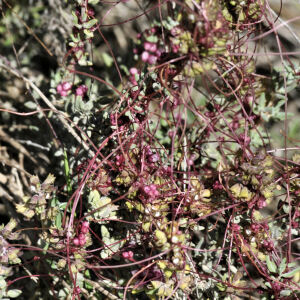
x: 133, y: 71
x: 85, y: 224
x: 84, y: 230
x: 171, y: 133
x: 175, y: 48
x: 132, y: 80
x: 145, y: 56
x: 295, y: 224
x: 153, y: 187
x: 151, y: 190
x: 261, y: 203
x: 120, y: 160
x: 147, y: 189
x: 153, y: 158
x: 152, y: 59
x: 81, y: 90
x: 158, y: 53
x: 190, y: 162
x: 66, y: 86
x: 148, y: 150
x: 59, y: 88
x: 147, y: 46
x: 265, y: 226
x: 175, y: 31
x: 63, y: 88
x: 153, y: 47
x: 217, y: 186
x: 235, y: 227
x: 90, y: 12
x: 113, y: 119
x: 127, y: 255
x: 81, y: 236
x: 82, y: 241
x: 77, y: 290
x: 76, y: 242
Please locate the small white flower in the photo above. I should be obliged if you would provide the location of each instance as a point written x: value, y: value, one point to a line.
x: 174, y: 239
x: 157, y: 214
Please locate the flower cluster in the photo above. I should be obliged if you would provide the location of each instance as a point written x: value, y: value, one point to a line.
x: 80, y: 240
x: 64, y: 88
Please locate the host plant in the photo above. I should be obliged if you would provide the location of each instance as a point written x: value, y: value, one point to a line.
x: 174, y: 191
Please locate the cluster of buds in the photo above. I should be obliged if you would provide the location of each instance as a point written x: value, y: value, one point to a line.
x: 269, y: 245
x: 128, y: 255
x: 217, y: 185
x: 151, y: 191
x: 64, y: 88
x: 261, y: 203
x: 255, y: 227
x: 80, y: 240
x: 120, y: 160
x: 258, y: 202
x: 81, y: 90
x: 150, y: 51
x: 276, y: 286
x: 151, y: 157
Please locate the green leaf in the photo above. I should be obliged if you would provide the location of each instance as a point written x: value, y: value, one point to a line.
x: 14, y: 293
x: 104, y: 232
x: 58, y: 220
x: 267, y: 284
x: 271, y: 265
x: 94, y: 197
x: 75, y: 18
x: 292, y: 264
x: 285, y: 293
x: 282, y: 266
x: 152, y: 39
x: 2, y: 283
x: 291, y: 273
x: 108, y: 60
x: 89, y: 34
x: 30, y: 105
x: 67, y: 172
x: 156, y: 284
x: 90, y: 23
x: 74, y: 39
